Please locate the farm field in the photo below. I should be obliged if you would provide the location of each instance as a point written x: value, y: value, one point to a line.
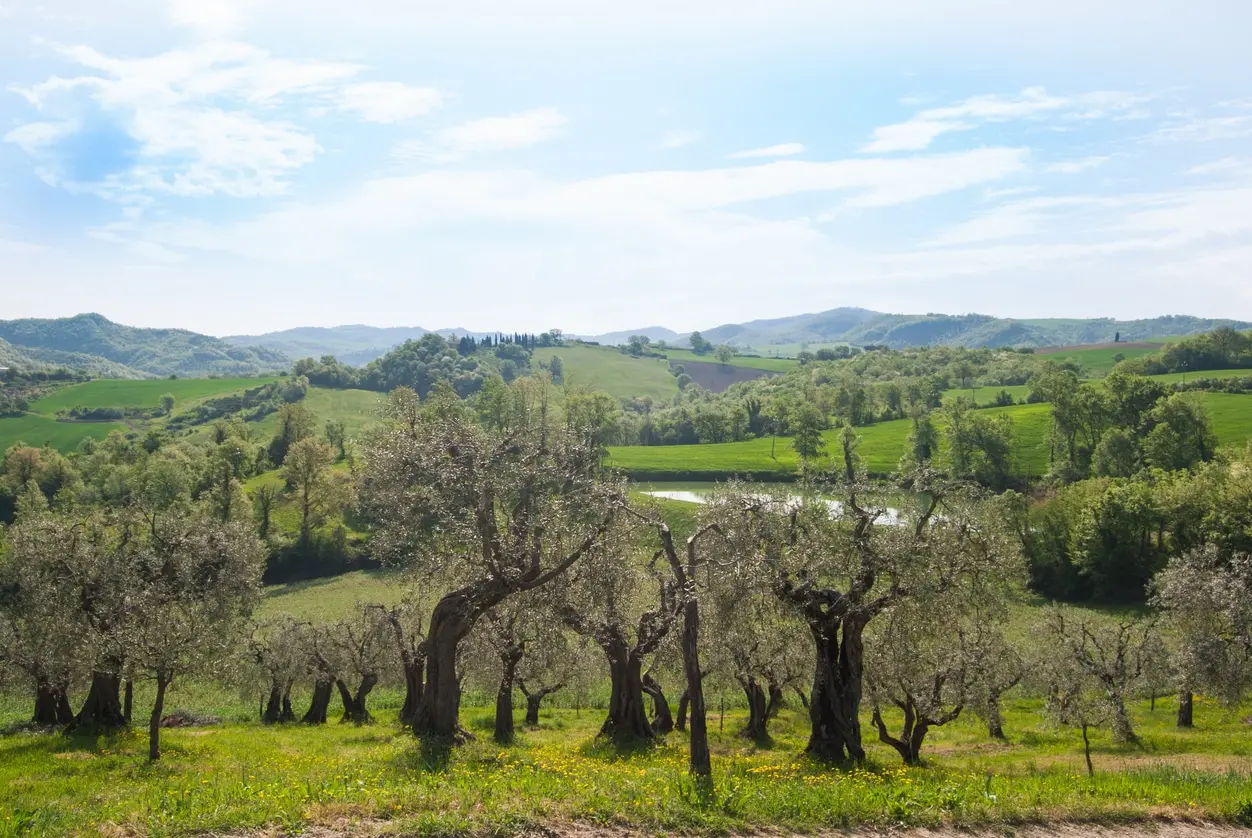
x: 38, y: 430
x: 142, y: 394
x: 619, y: 375
x: 881, y: 448
x: 1098, y: 362
x: 986, y: 394
x: 683, y: 356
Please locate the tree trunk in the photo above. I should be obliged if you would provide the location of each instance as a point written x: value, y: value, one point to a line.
x: 509, y: 659
x: 835, y: 704
x: 412, y: 688
x: 683, y: 700
x: 273, y: 709
x: 628, y: 719
x: 804, y: 699
x: 354, y: 709
x: 1186, y: 712
x: 128, y: 700
x: 52, y: 708
x: 316, y: 714
x: 102, y: 710
x: 535, y: 699
x: 1123, y: 731
x: 1086, y: 749
x: 995, y: 720
x: 756, y: 729
x: 699, y: 761
x: 437, y: 714
x: 775, y: 701
x: 662, y: 719
x: 154, y: 720
x: 909, y: 744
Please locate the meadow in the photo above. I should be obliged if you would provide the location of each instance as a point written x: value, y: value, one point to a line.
x: 356, y: 409
x: 242, y: 775
x: 682, y: 356
x: 619, y: 375
x: 37, y: 430
x: 1099, y: 362
x: 882, y: 446
x: 141, y: 394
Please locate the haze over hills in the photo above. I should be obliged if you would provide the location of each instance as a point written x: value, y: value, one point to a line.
x: 94, y: 344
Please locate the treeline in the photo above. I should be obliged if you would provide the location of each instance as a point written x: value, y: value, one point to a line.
x: 535, y: 570
x: 1221, y: 349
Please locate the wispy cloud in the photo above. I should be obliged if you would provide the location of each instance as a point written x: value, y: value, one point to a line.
x: 489, y: 134
x: 1075, y: 167
x: 918, y: 133
x: 679, y: 138
x: 783, y: 150
x: 1202, y: 129
x: 388, y: 101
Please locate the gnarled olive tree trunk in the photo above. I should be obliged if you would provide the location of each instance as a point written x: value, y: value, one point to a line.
x: 278, y: 704
x: 1186, y: 712
x: 510, y: 657
x: 662, y: 719
x: 154, y: 719
x: 535, y: 698
x: 318, y: 707
x: 102, y: 709
x: 757, y: 728
x: 52, y: 706
x: 916, y: 725
x: 354, y: 709
x: 628, y: 715
x: 835, y: 703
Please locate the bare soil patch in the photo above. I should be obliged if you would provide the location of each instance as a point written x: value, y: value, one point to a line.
x: 716, y: 377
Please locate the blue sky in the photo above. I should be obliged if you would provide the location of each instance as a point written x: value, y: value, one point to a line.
x: 237, y: 166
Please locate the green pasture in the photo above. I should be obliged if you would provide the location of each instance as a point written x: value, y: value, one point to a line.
x: 619, y: 375
x: 38, y: 431
x: 1100, y: 362
x: 141, y: 394
x: 242, y: 776
x: 881, y: 448
x: 682, y: 356
x: 985, y: 394
x: 357, y: 409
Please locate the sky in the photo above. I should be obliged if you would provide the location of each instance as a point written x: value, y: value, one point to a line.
x: 243, y: 166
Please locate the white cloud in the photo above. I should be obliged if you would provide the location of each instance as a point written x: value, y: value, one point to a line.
x: 782, y: 150
x: 388, y: 102
x: 1205, y: 129
x: 918, y: 133
x: 215, y: 118
x: 495, y: 133
x: 210, y: 18
x: 1074, y: 167
x: 679, y: 138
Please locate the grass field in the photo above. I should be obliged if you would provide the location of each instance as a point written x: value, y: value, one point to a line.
x: 141, y: 394
x: 604, y: 368
x: 682, y: 356
x: 1099, y: 362
x: 40, y: 430
x: 357, y: 409
x: 882, y: 446
x: 242, y: 776
x: 986, y: 394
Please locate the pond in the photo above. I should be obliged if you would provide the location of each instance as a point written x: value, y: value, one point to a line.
x: 697, y: 492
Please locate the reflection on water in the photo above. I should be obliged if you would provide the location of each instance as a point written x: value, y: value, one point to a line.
x: 889, y: 515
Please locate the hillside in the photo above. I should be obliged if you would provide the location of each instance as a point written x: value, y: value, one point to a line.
x: 602, y: 368
x: 899, y: 331
x: 95, y: 344
x: 356, y: 345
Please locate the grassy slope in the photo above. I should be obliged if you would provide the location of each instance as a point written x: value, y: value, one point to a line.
x: 355, y: 408
x: 883, y: 444
x: 243, y: 776
x: 63, y: 436
x: 681, y: 356
x: 1099, y: 362
x: 987, y: 394
x: 603, y: 368
x: 141, y: 394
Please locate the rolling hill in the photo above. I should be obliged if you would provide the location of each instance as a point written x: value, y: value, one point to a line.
x: 861, y: 326
x: 95, y: 344
x: 355, y: 345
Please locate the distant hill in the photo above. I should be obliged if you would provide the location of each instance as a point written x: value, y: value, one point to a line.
x: 652, y: 333
x: 860, y: 326
x: 94, y: 343
x: 356, y: 345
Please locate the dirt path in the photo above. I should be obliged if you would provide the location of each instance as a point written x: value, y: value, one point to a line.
x: 1061, y: 830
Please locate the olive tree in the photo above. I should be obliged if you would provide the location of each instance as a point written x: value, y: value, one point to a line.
x: 839, y: 566
x: 488, y: 513
x: 276, y: 651
x: 362, y: 645
x: 1207, y: 601
x: 198, y: 580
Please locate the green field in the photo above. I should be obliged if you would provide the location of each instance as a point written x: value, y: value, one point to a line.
x: 1099, y: 362
x: 791, y: 350
x: 357, y: 409
x: 987, y: 394
x: 882, y: 446
x: 40, y: 430
x: 682, y: 356
x: 606, y: 369
x: 141, y: 394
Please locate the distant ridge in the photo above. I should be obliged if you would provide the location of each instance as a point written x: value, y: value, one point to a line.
x: 94, y: 344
